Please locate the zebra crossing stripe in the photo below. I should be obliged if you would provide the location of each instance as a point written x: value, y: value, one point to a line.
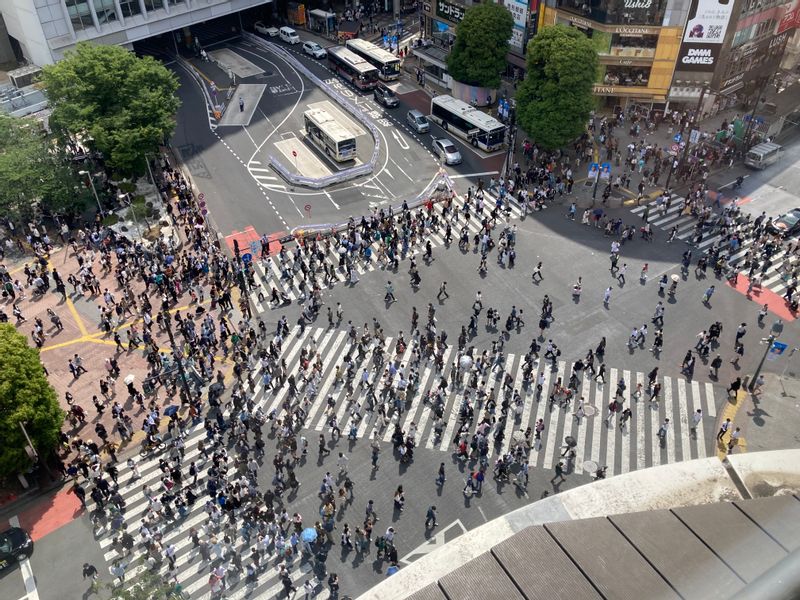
x: 641, y: 461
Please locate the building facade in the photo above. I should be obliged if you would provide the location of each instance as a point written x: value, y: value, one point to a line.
x: 44, y: 29
x: 637, y: 42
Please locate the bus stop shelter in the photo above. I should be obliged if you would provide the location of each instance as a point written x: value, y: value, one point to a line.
x: 322, y: 21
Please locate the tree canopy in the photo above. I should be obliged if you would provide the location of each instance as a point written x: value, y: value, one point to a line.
x: 124, y: 104
x: 479, y: 52
x: 555, y: 99
x: 25, y: 397
x: 35, y: 173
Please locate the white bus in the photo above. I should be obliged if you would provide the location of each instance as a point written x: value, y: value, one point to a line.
x: 388, y: 64
x: 352, y: 67
x: 333, y: 138
x: 479, y: 129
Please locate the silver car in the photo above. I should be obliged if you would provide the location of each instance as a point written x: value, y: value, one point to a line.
x: 447, y: 151
x: 314, y: 49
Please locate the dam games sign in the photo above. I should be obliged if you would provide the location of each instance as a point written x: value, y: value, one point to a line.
x: 704, y: 34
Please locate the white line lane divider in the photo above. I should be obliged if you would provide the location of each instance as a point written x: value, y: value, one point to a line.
x: 31, y: 593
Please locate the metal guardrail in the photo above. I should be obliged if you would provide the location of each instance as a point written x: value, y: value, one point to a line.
x: 342, y: 176
x: 190, y: 68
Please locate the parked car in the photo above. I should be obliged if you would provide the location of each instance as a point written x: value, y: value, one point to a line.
x: 289, y: 35
x: 264, y: 30
x: 385, y: 95
x: 786, y: 224
x: 15, y: 545
x: 315, y: 50
x: 447, y: 151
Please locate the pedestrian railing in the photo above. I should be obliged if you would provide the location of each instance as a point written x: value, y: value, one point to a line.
x: 341, y: 176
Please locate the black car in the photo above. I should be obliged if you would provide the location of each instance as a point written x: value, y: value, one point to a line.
x: 15, y: 545
x: 787, y: 224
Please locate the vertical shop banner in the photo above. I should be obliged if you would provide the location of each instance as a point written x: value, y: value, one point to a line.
x: 519, y: 11
x: 704, y: 34
x: 790, y: 18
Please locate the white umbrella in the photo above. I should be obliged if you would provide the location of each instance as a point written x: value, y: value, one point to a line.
x: 465, y: 362
x: 129, y: 378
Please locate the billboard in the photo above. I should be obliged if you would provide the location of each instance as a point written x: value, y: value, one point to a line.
x: 705, y: 31
x: 790, y: 19
x: 519, y: 11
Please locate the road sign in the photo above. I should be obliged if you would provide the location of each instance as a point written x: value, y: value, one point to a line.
x: 778, y: 348
x: 254, y: 247
x: 294, y: 153
x: 605, y: 171
x: 201, y: 196
x: 307, y: 208
x: 677, y: 138
x: 246, y: 258
x: 594, y: 170
x: 675, y: 148
x: 694, y: 136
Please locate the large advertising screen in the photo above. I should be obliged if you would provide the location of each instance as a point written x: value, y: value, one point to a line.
x: 705, y: 31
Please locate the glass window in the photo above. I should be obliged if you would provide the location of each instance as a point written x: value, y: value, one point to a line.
x: 130, y: 7
x: 79, y: 14
x: 615, y: 11
x: 153, y: 4
x: 105, y: 11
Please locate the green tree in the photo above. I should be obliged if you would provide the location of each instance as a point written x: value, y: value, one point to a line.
x: 34, y: 173
x: 25, y: 397
x: 479, y: 52
x: 555, y: 99
x: 124, y: 103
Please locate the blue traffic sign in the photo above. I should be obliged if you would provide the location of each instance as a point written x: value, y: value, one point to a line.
x: 778, y: 348
x: 246, y: 258
x: 677, y: 138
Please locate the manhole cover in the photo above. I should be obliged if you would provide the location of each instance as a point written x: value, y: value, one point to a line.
x: 589, y: 466
x: 589, y: 411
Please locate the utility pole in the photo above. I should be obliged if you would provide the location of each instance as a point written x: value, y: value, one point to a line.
x: 749, y: 127
x: 695, y: 120
x: 769, y: 341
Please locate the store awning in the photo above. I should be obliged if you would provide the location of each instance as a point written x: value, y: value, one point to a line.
x: 432, y: 54
x: 321, y: 14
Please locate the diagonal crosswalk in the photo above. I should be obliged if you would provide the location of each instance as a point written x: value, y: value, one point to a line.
x: 775, y: 278
x: 622, y: 449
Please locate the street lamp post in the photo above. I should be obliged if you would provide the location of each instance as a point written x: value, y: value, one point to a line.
x: 94, y: 190
x: 125, y: 200
x: 178, y: 355
x: 769, y: 341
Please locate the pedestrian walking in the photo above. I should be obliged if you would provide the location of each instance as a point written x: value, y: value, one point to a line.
x: 390, y: 292
x: 707, y: 295
x: 697, y: 417
x: 662, y: 432
x: 607, y: 297
x: 440, y: 477
x: 430, y: 518
x: 735, y: 386
x: 621, y: 273
x: 723, y: 429
x: 442, y: 291
x: 734, y: 441
x: 559, y: 468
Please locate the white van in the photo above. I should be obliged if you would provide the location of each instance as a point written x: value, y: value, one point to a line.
x: 289, y: 35
x: 762, y: 155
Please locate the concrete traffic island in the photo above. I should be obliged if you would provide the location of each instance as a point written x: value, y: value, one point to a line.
x: 695, y: 495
